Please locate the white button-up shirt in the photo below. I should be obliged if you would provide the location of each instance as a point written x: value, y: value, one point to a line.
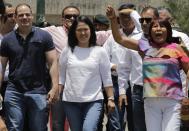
x: 128, y: 61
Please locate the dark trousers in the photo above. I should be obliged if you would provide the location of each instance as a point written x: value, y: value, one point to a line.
x: 129, y: 110
x: 138, y: 108
x: 115, y: 122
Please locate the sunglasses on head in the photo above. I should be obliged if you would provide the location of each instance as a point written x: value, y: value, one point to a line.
x: 10, y: 15
x: 147, y: 20
x: 70, y: 16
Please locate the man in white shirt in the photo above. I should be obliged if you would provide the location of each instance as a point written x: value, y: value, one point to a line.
x: 130, y: 68
x: 117, y: 54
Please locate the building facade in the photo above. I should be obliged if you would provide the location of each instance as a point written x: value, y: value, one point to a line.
x: 53, y: 8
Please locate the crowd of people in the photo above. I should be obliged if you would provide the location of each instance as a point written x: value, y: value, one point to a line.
x: 130, y: 67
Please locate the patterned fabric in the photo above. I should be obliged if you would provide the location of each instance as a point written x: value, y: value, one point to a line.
x: 161, y: 68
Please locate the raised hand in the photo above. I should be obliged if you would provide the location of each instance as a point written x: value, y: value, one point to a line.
x: 110, y: 12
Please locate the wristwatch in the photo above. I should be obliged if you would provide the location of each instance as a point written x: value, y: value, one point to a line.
x: 111, y: 98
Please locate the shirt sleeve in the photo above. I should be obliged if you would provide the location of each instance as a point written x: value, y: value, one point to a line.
x: 135, y: 17
x: 104, y: 68
x: 49, y: 45
x: 108, y: 47
x: 124, y: 69
x: 185, y: 40
x: 143, y: 45
x: 62, y: 65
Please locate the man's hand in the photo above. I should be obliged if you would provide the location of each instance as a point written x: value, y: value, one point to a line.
x: 2, y: 125
x: 122, y: 100
x: 53, y: 95
x: 111, y: 106
x: 114, y: 67
x: 110, y: 12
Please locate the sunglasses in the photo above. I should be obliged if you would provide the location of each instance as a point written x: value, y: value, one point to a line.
x: 147, y: 20
x: 70, y: 16
x: 10, y: 15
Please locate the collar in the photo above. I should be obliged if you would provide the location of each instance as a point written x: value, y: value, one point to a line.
x: 135, y: 31
x: 33, y: 29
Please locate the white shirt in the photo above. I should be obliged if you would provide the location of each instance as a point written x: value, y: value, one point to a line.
x: 82, y: 73
x: 185, y: 39
x: 115, y: 50
x: 130, y: 68
x: 128, y: 61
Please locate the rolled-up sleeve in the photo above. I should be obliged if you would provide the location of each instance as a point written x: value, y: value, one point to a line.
x: 124, y: 68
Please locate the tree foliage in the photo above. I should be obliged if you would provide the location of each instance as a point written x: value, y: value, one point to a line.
x: 180, y: 11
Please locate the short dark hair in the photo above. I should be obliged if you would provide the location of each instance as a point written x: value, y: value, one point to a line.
x: 70, y: 6
x: 155, y: 11
x: 102, y: 19
x: 22, y: 5
x: 72, y: 39
x: 167, y: 25
x: 127, y: 6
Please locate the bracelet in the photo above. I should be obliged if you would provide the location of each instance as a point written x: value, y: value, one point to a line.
x: 111, y: 98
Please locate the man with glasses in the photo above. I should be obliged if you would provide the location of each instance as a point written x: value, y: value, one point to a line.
x: 7, y: 27
x: 60, y: 37
x: 133, y: 64
x: 121, y: 56
x: 28, y: 49
x: 148, y: 15
x: 2, y: 21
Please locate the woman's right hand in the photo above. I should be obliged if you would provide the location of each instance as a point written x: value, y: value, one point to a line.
x: 110, y: 12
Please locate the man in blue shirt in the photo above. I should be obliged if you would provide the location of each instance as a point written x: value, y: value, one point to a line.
x: 28, y: 49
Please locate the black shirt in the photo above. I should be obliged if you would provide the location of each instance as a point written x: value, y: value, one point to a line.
x: 27, y: 60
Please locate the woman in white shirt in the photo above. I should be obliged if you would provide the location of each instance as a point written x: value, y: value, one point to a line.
x: 84, y: 66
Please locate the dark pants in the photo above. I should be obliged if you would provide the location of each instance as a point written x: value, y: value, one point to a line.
x: 138, y: 109
x: 129, y: 110
x: 58, y: 116
x: 116, y: 118
x: 114, y: 122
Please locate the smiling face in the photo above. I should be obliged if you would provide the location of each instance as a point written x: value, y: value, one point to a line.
x: 83, y: 34
x: 158, y: 33
x: 23, y: 16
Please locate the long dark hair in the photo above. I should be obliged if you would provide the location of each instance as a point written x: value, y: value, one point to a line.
x: 72, y: 39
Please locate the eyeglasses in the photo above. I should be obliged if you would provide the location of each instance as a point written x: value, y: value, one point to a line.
x: 10, y: 15
x: 70, y: 16
x: 148, y: 20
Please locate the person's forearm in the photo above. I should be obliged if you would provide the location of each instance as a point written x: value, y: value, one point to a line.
x: 115, y: 30
x: 2, y: 70
x: 122, y: 40
x: 109, y: 91
x: 54, y: 74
